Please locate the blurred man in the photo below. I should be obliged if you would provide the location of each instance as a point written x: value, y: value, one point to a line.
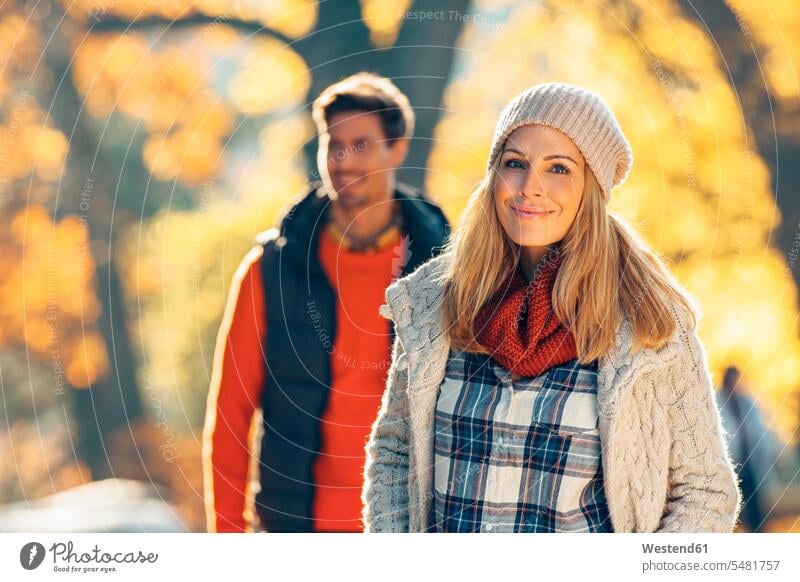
x: 302, y: 338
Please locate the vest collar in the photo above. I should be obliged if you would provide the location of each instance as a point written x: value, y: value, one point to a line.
x: 424, y: 227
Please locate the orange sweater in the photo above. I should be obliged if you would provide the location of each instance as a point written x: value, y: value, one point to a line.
x: 359, y: 364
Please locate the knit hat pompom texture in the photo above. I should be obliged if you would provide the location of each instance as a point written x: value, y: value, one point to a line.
x: 580, y: 114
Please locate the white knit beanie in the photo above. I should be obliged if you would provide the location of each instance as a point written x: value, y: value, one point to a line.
x: 580, y: 114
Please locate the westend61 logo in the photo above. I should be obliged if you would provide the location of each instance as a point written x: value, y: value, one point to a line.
x: 66, y: 559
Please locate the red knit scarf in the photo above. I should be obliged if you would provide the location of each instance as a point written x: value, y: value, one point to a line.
x: 519, y: 327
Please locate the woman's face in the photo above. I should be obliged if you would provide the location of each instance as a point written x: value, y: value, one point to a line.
x: 538, y: 187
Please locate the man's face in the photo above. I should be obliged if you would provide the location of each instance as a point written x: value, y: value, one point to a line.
x: 357, y: 161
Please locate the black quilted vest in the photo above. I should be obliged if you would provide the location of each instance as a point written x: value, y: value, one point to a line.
x: 301, y: 328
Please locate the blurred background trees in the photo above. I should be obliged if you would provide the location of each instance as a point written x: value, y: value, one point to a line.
x: 144, y: 144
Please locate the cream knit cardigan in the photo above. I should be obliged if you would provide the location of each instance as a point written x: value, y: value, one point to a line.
x: 665, y: 465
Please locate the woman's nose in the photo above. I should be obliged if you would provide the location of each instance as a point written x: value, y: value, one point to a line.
x: 533, y: 185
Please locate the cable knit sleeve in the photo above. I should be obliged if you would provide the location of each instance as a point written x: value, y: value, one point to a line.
x: 385, y: 492
x: 703, y: 496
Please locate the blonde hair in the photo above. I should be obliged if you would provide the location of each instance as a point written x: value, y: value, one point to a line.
x: 608, y: 271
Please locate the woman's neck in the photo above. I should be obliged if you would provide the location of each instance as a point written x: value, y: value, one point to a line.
x: 532, y: 257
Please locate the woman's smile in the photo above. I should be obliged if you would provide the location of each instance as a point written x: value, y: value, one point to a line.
x: 530, y: 213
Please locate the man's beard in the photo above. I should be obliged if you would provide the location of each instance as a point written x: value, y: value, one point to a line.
x: 349, y: 198
x: 352, y: 201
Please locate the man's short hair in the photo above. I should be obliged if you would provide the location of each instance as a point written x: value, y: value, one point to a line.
x: 369, y: 93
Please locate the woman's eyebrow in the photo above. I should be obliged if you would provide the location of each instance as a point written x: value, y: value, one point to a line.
x: 546, y: 158
x: 554, y: 156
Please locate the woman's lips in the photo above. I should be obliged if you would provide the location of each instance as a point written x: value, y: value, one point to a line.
x: 531, y: 213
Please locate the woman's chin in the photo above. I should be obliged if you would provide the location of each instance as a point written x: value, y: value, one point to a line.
x: 526, y: 238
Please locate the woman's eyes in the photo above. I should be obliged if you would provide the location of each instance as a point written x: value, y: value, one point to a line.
x: 519, y: 165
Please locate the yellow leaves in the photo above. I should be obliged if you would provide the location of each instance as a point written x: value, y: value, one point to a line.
x: 48, y: 300
x: 178, y: 95
x: 113, y: 72
x: 37, y: 335
x: 168, y: 92
x: 686, y: 223
x: 773, y: 27
x: 55, y: 266
x: 458, y: 160
x: 26, y: 145
x: 183, y: 262
x: 383, y: 18
x: 278, y: 173
x: 782, y: 73
x: 208, y: 115
x: 713, y: 105
x: 86, y: 360
x: 121, y: 72
x: 187, y: 154
x: 273, y: 76
x: 49, y: 148
x: 181, y: 269
x: 750, y: 319
x: 20, y: 42
x: 282, y: 142
x: 672, y: 39
x: 132, y: 9
x: 293, y: 18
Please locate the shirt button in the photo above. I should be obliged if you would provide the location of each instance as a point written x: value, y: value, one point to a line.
x: 499, y: 440
x: 489, y: 527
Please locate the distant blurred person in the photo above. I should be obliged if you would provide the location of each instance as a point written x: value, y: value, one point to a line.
x: 752, y: 447
x: 302, y: 338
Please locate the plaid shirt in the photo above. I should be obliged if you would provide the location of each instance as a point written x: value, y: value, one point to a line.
x: 520, y: 456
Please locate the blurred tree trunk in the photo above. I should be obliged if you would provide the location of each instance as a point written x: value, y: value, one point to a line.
x: 338, y: 46
x: 112, y: 402
x: 776, y: 141
x: 421, y: 62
